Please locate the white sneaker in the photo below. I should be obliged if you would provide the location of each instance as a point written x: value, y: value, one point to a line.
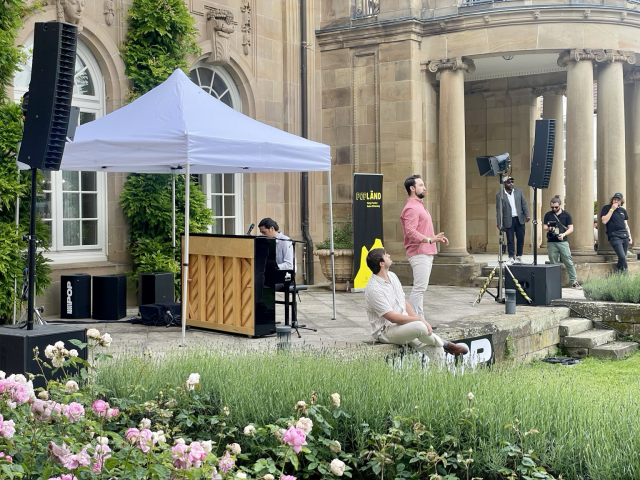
x: 510, y: 261
x: 519, y: 260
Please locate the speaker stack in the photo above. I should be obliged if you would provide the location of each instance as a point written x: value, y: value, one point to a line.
x: 50, y: 92
x: 157, y: 287
x: 109, y: 297
x: 542, y: 283
x: 543, y: 147
x: 75, y: 296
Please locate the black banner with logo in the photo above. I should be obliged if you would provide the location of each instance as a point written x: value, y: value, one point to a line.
x: 367, y: 224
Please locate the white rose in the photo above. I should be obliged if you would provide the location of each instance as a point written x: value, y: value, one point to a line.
x: 50, y: 351
x: 57, y: 362
x: 305, y: 424
x: 105, y: 340
x: 241, y: 475
x: 335, y: 398
x: 12, y: 405
x: 235, y: 449
x: 226, y: 411
x: 19, y: 378
x: 160, y: 436
x: 470, y: 396
x: 335, y: 446
x: 59, y: 345
x: 102, y: 440
x: 3, y: 375
x: 268, y: 476
x: 145, y: 423
x: 337, y: 467
x: 71, y: 386
x: 43, y: 395
x: 207, y: 446
x: 194, y: 378
x: 178, y: 440
x: 65, y: 352
x: 73, y: 353
x: 301, y: 404
x: 249, y: 430
x: 93, y: 333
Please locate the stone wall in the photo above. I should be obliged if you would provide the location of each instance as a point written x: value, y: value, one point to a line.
x: 624, y: 317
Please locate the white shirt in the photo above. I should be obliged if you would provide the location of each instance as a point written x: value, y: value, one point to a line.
x: 284, y: 252
x: 381, y: 297
x: 512, y: 202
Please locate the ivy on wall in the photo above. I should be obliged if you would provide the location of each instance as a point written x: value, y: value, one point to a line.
x: 161, y: 35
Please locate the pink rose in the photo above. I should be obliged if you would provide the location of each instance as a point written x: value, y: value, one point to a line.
x: 100, y: 406
x: 226, y: 463
x: 132, y: 435
x: 296, y: 438
x: 180, y: 456
x: 196, y: 454
x: 287, y: 477
x: 74, y: 411
x: 146, y: 440
x: 111, y: 412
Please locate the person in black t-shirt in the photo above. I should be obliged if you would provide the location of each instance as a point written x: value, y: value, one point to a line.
x: 615, y: 218
x: 558, y: 224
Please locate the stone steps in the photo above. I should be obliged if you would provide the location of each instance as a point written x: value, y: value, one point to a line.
x: 580, y: 340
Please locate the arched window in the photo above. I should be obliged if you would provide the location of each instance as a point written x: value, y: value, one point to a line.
x: 224, y: 190
x: 74, y: 204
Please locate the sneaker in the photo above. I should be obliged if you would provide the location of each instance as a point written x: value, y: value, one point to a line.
x: 510, y: 261
x: 576, y: 285
x: 519, y: 260
x: 456, y: 348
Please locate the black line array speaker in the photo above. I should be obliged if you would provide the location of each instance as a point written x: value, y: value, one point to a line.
x: 109, y: 297
x: 75, y: 295
x: 542, y: 283
x: 543, y: 147
x: 17, y: 344
x: 157, y: 287
x: 50, y: 91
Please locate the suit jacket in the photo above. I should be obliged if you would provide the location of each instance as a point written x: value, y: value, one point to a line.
x: 521, y: 207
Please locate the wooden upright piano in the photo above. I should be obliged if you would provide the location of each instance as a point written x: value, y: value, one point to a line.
x: 231, y: 283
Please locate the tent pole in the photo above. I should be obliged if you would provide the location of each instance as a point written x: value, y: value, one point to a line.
x: 331, y: 252
x: 173, y: 212
x: 15, y: 280
x: 185, y: 256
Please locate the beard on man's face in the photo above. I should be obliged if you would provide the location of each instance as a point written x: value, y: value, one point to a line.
x: 420, y: 195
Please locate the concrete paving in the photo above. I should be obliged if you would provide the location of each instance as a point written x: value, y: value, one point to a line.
x: 450, y: 309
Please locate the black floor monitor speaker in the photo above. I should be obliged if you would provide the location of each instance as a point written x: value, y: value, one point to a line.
x: 17, y: 344
x: 542, y: 283
x: 543, y: 147
x: 50, y: 92
x: 109, y: 297
x: 157, y: 287
x: 75, y: 296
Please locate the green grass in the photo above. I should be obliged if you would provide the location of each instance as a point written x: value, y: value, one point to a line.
x: 587, y: 414
x: 619, y: 287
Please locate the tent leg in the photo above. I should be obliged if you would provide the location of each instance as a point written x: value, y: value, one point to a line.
x: 185, y: 256
x: 331, y: 251
x: 173, y: 213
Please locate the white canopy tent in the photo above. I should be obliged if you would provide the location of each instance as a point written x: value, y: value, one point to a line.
x: 177, y: 125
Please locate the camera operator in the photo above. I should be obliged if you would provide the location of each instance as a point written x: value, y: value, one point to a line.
x: 558, y: 224
x: 616, y: 219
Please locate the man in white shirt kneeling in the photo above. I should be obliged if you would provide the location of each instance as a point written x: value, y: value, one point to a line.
x: 392, y: 318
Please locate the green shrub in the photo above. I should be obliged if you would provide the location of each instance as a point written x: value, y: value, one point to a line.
x: 618, y: 287
x: 588, y: 429
x: 342, y: 236
x: 16, y: 185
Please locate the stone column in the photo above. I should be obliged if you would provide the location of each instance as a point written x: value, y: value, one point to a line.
x: 633, y: 159
x: 579, y: 164
x: 552, y: 107
x: 453, y: 198
x: 611, y: 162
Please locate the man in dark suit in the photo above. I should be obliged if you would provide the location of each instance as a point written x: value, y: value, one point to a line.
x: 515, y: 213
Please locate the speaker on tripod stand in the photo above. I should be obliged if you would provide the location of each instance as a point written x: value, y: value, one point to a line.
x: 45, y: 133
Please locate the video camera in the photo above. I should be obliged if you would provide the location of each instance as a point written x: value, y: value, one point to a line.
x: 554, y: 230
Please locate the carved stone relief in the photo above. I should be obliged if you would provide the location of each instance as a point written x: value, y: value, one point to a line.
x: 220, y: 25
x: 70, y: 11
x: 597, y: 56
x: 246, y: 26
x: 550, y: 90
x: 109, y: 12
x: 456, y: 63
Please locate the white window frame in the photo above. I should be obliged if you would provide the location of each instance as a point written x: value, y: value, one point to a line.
x: 207, y: 180
x: 59, y: 253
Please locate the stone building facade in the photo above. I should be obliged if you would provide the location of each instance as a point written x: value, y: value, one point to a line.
x: 426, y: 86
x: 395, y: 87
x: 250, y: 60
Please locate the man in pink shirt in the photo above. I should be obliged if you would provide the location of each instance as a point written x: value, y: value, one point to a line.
x: 419, y: 241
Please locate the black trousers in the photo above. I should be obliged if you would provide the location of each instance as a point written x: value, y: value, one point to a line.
x: 620, y: 246
x: 516, y: 229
